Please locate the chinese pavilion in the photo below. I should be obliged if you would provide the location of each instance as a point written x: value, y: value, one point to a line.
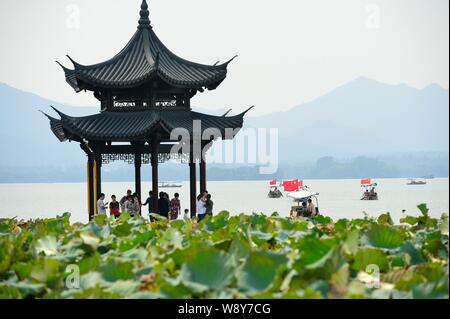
x: 144, y: 93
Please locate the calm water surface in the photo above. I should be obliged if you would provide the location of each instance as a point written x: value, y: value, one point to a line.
x: 338, y: 198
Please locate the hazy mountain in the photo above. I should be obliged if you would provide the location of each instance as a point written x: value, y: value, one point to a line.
x: 363, y: 117
x: 26, y: 138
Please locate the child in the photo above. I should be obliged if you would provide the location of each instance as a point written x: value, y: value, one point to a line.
x: 186, y: 215
x: 114, y: 207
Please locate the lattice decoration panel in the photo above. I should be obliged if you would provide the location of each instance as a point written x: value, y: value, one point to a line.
x: 145, y: 158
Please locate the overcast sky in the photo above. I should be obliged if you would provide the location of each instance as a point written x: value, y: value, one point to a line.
x: 290, y: 51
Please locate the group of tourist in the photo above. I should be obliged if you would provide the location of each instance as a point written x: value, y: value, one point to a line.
x: 169, y: 208
x: 308, y: 209
x: 204, y: 205
x: 370, y: 195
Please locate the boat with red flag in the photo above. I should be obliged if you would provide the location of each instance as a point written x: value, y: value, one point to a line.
x: 370, y: 192
x: 274, y: 191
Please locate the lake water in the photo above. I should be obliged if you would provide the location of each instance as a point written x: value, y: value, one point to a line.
x: 337, y: 199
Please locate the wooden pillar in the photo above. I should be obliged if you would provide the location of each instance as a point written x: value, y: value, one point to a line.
x: 97, y: 180
x: 202, y: 176
x: 154, y: 160
x: 90, y: 187
x: 137, y: 175
x: 193, y: 184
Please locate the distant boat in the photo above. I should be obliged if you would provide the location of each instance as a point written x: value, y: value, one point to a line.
x: 416, y: 181
x: 369, y: 195
x: 428, y: 177
x: 274, y: 192
x: 169, y: 185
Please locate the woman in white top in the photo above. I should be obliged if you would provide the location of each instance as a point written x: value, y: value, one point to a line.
x: 201, y: 209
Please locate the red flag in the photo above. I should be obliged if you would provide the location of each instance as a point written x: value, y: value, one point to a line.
x: 273, y: 182
x: 291, y: 186
x: 366, y: 181
x: 300, y: 183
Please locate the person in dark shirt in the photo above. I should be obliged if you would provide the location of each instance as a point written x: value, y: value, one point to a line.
x: 163, y: 205
x: 124, y: 199
x: 209, y: 205
x: 114, y: 207
x: 175, y: 207
x: 149, y: 202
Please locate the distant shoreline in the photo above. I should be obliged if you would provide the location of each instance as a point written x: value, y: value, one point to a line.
x: 227, y: 181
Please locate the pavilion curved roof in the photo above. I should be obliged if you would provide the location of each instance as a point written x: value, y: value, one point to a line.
x: 143, y: 58
x: 137, y: 125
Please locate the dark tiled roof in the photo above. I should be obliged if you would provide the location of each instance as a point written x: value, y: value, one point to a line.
x: 136, y: 125
x: 143, y: 58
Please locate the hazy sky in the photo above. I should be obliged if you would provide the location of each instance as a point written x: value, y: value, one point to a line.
x: 290, y: 51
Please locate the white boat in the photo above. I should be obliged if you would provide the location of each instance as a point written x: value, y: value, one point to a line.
x: 300, y: 199
x: 169, y: 185
x: 416, y: 181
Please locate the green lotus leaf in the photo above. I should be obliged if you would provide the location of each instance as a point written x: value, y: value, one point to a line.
x: 173, y: 290
x: 206, y: 269
x: 383, y: 236
x: 322, y: 220
x: 22, y: 270
x: 90, y: 240
x: 89, y: 264
x: 444, y: 224
x: 137, y: 254
x: 423, y: 208
x: 171, y: 239
x: 48, y: 271
x: 241, y: 256
x: 92, y: 280
x: 47, y: 245
x: 351, y: 242
x: 218, y: 222
x: 143, y: 295
x: 409, y: 220
x: 114, y: 270
x: 6, y: 255
x: 259, y: 270
x: 370, y: 256
x: 122, y: 230
x: 385, y: 219
x: 312, y: 249
x: 339, y: 280
x: 100, y: 219
x: 23, y: 289
x: 415, y: 254
x: 260, y: 238
x: 430, y: 291
x: 123, y: 287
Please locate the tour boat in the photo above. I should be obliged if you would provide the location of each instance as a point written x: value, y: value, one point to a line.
x: 366, y: 184
x: 415, y: 181
x: 274, y: 191
x: 169, y: 185
x: 300, y: 198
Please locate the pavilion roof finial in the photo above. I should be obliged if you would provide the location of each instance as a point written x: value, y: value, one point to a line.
x: 144, y: 21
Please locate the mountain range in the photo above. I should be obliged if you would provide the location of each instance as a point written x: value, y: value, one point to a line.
x: 362, y: 117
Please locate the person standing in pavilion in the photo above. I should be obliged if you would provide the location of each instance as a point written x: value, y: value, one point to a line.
x: 114, y: 207
x: 201, y: 209
x: 209, y: 205
x: 137, y: 204
x: 101, y: 206
x: 130, y: 206
x: 123, y: 201
x: 149, y: 202
x: 175, y: 207
x: 163, y: 205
